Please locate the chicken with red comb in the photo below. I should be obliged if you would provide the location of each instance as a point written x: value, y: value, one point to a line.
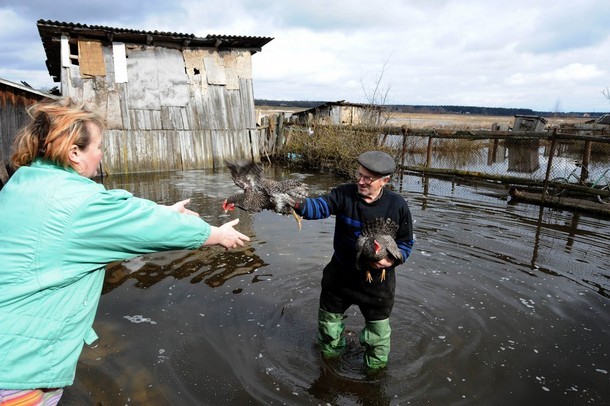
x: 260, y: 193
x: 375, y: 243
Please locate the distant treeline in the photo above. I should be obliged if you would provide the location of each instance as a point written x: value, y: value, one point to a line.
x: 402, y: 108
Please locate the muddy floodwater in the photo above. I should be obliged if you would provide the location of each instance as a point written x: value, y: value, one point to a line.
x: 499, y: 304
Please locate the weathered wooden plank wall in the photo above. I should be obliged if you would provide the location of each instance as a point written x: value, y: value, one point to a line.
x: 14, y: 100
x: 178, y: 110
x: 270, y: 135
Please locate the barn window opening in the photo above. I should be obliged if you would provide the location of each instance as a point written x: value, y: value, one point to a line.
x: 74, y: 53
x: 196, y: 71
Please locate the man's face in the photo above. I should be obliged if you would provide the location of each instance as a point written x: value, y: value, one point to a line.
x: 369, y: 183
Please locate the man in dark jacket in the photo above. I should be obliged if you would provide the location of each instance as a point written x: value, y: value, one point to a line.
x: 344, y: 283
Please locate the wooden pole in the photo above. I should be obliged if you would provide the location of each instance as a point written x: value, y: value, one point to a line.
x: 549, y: 165
x: 429, y: 152
x: 586, y: 157
x: 405, y: 133
x: 403, y: 152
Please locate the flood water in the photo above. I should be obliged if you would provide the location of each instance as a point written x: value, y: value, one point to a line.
x: 499, y: 304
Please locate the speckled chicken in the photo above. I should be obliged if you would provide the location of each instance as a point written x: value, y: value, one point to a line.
x: 261, y: 193
x: 375, y: 243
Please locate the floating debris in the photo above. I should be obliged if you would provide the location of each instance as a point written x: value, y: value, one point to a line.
x: 138, y: 318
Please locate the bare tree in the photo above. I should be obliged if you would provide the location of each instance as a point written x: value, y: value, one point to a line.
x: 606, y: 93
x: 377, y: 97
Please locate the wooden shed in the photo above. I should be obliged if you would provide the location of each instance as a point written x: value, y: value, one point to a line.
x: 523, y: 155
x: 529, y: 123
x: 171, y: 101
x: 14, y: 100
x: 339, y: 113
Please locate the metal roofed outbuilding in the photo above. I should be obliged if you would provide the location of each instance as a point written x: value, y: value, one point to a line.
x: 172, y: 101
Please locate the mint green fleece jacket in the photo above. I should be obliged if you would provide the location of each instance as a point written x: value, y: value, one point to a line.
x: 57, y: 232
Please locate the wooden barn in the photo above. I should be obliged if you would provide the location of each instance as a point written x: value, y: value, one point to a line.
x: 14, y: 100
x: 171, y: 101
x: 339, y: 113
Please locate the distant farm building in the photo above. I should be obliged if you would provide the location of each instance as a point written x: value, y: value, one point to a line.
x: 523, y: 156
x: 605, y: 119
x: 339, y: 113
x: 529, y: 123
x: 171, y: 101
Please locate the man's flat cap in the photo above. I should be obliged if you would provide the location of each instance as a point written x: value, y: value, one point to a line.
x: 377, y: 162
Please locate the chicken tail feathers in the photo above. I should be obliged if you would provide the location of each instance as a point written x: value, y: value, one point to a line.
x: 380, y: 226
x: 245, y: 173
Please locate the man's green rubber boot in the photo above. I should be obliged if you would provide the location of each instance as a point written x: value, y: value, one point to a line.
x: 375, y: 337
x: 330, y: 333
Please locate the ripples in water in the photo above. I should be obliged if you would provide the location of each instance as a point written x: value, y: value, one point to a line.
x: 498, y: 304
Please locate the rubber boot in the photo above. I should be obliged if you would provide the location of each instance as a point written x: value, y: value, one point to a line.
x: 330, y: 333
x: 375, y: 337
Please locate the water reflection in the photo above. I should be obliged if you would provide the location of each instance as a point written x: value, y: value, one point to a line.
x: 213, y: 266
x: 499, y: 304
x: 547, y: 226
x: 356, y: 392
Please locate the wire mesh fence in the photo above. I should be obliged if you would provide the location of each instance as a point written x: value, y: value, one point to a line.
x: 564, y: 161
x: 559, y: 163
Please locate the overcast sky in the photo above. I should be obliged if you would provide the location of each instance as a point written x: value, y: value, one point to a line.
x: 547, y: 55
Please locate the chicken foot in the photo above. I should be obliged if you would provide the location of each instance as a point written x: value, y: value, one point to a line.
x: 296, y: 217
x: 369, y: 277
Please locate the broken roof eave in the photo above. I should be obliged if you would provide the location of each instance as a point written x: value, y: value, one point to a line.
x: 26, y: 89
x: 340, y: 103
x: 51, y: 32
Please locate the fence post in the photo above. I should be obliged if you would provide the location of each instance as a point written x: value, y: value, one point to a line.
x: 491, y: 153
x: 403, y: 152
x: 404, y: 132
x: 549, y: 166
x: 280, y: 130
x: 429, y: 151
x: 586, y: 157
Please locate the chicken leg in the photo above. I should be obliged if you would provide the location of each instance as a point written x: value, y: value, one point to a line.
x: 369, y: 277
x: 296, y: 217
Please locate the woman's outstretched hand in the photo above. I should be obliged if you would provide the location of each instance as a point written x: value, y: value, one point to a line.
x: 227, y: 236
x: 180, y: 207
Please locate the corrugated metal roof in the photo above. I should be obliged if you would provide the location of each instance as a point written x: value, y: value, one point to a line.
x: 51, y: 32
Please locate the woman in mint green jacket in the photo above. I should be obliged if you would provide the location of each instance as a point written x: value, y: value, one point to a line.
x: 58, y: 229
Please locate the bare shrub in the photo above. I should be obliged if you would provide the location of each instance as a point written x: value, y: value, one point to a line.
x: 330, y: 148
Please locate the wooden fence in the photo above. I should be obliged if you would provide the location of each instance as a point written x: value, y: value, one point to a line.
x: 554, y: 142
x: 514, y: 160
x: 564, y: 151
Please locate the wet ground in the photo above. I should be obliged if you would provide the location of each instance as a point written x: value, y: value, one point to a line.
x: 499, y: 304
